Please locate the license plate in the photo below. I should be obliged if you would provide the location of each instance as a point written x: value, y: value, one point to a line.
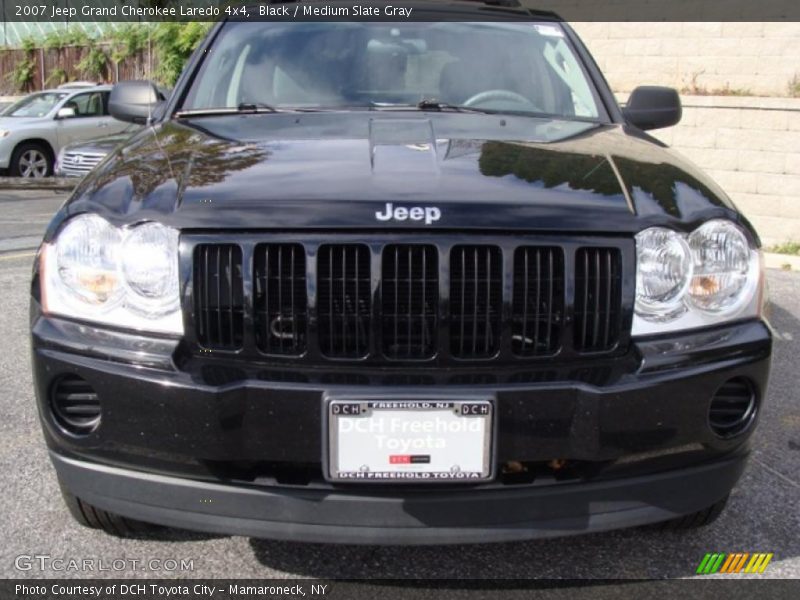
x: 411, y: 441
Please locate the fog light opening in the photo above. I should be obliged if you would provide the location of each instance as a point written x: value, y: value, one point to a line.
x: 733, y: 408
x: 75, y: 405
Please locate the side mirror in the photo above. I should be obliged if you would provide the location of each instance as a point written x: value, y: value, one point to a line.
x: 653, y: 107
x: 134, y: 101
x: 66, y: 112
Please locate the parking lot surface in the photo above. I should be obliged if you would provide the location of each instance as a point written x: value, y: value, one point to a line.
x: 763, y: 514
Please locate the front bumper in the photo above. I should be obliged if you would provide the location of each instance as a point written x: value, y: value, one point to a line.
x: 196, y: 443
x: 433, y: 517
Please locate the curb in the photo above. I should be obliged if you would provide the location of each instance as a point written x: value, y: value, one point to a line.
x: 66, y: 184
x: 784, y: 262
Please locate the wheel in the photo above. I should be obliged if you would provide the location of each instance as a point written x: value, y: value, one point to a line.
x: 31, y: 160
x: 692, y: 521
x: 97, y: 518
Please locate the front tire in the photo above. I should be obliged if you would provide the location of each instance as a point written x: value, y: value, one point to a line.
x: 31, y: 160
x: 97, y: 518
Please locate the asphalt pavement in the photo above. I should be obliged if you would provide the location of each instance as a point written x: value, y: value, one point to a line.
x: 24, y: 214
x: 763, y: 514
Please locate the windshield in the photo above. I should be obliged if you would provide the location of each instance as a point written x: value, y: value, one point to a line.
x: 35, y: 105
x: 517, y: 68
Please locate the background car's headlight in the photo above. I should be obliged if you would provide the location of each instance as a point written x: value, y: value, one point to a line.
x: 122, y: 277
x: 682, y: 282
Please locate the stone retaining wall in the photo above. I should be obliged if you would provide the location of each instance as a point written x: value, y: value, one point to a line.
x: 751, y: 147
x: 744, y: 58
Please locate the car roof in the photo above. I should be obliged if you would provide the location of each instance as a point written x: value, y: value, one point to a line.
x: 73, y: 91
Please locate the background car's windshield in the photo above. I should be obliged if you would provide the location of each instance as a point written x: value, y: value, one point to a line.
x: 519, y: 67
x: 35, y: 105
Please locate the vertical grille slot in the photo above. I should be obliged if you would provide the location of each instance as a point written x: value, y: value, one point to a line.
x: 344, y: 300
x: 218, y: 296
x: 410, y: 298
x: 538, y: 305
x: 476, y: 298
x: 598, y: 299
x: 280, y: 300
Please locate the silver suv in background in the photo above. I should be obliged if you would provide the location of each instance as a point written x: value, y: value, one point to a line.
x: 77, y: 159
x: 33, y: 130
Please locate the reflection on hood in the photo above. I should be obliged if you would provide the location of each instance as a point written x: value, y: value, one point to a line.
x: 548, y: 167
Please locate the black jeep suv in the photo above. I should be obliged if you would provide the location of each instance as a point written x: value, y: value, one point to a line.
x: 397, y: 282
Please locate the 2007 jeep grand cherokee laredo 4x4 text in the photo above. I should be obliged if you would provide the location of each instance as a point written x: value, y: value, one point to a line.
x: 398, y: 282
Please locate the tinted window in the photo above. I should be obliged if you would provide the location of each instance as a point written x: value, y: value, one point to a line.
x: 86, y: 105
x: 525, y: 67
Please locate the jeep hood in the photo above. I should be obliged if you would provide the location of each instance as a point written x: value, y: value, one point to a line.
x: 337, y: 170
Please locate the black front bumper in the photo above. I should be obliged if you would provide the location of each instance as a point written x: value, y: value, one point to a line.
x: 201, y: 444
x: 433, y: 517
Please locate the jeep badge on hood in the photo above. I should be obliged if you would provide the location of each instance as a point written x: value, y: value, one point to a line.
x: 415, y: 213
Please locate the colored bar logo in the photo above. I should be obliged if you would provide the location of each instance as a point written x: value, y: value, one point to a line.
x: 737, y: 562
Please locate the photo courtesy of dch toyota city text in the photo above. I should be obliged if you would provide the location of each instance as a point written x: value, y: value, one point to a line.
x: 405, y: 299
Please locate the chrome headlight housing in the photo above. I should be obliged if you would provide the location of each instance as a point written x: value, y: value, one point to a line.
x: 125, y: 277
x: 149, y: 266
x: 708, y: 277
x: 663, y: 273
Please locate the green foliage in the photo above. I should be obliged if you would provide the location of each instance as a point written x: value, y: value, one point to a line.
x: 93, y: 63
x: 696, y: 89
x: 794, y: 86
x: 28, y: 44
x: 128, y: 41
x: 173, y: 43
x: 21, y: 76
x: 61, y: 38
x: 729, y: 91
x: 57, y: 77
x: 786, y: 248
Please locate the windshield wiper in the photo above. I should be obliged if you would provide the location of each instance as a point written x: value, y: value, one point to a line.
x: 256, y: 107
x: 242, y: 108
x: 433, y: 104
x: 429, y: 104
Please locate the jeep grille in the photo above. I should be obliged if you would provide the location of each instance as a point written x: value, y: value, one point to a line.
x: 407, y: 298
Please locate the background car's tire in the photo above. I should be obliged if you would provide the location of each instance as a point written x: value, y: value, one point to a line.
x: 699, y: 519
x: 31, y: 160
x: 97, y: 518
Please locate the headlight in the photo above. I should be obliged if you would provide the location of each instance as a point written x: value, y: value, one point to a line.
x: 663, y: 274
x: 150, y: 269
x: 123, y: 277
x: 705, y: 278
x: 86, y: 261
x: 721, y: 266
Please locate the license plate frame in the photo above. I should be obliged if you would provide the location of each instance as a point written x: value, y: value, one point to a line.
x: 449, y: 410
